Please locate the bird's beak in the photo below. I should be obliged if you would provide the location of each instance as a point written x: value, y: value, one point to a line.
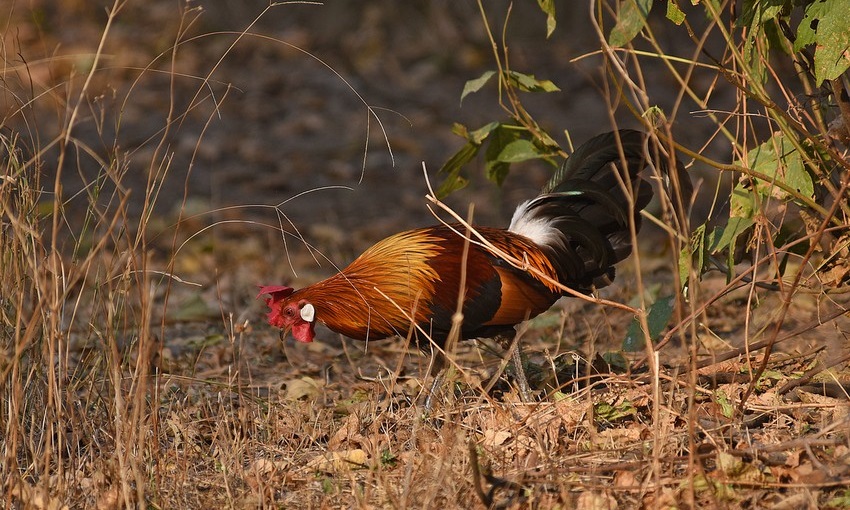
x: 283, y: 333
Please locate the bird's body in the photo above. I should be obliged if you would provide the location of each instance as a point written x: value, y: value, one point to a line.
x: 417, y: 274
x: 570, y: 235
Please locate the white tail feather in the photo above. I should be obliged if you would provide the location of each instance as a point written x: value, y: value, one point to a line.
x: 536, y: 227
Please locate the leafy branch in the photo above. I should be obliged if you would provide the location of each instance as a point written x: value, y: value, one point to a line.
x: 516, y: 139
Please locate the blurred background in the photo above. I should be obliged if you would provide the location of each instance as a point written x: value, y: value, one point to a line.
x: 259, y: 118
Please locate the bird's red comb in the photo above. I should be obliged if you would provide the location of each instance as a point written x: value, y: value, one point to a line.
x: 277, y: 292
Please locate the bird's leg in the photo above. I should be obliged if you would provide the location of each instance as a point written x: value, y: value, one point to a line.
x: 437, y: 370
x: 438, y: 381
x: 513, y: 357
x: 518, y: 371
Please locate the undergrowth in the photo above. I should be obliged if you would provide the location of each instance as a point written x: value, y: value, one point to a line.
x: 137, y: 369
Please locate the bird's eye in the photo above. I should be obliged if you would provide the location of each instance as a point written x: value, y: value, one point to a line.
x: 288, y: 311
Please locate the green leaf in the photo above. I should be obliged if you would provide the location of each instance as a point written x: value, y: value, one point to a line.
x: 740, y: 220
x: 497, y: 171
x: 797, y: 176
x: 780, y: 160
x: 807, y: 29
x: 528, y: 83
x: 657, y: 319
x: 686, y: 257
x: 560, y: 396
x: 759, y: 12
x: 618, y: 363
x: 675, y: 14
x: 454, y: 180
x: 608, y: 413
x: 518, y: 150
x: 388, y: 458
x: 742, y: 203
x: 758, y: 16
x: 479, y: 135
x: 451, y: 184
x: 776, y: 38
x: 476, y: 84
x: 830, y: 33
x: 729, y: 234
x: 630, y: 20
x: 840, y: 500
x: 659, y: 315
x: 726, y: 407
x: 460, y: 130
x: 505, y: 148
x: 548, y: 7
x: 454, y: 166
x: 742, y: 207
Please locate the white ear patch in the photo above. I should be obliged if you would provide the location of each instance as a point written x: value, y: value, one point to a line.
x: 308, y: 313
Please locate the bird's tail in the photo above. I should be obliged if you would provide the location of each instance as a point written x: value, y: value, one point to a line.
x: 581, y: 219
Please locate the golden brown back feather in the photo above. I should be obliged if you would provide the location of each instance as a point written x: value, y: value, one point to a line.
x: 417, y: 274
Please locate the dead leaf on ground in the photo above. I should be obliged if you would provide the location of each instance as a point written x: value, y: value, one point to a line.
x: 596, y: 501
x: 35, y: 497
x: 493, y: 437
x: 338, y: 462
x: 303, y: 388
x: 349, y: 431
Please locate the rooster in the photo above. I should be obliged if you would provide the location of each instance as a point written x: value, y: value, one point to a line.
x: 571, y: 235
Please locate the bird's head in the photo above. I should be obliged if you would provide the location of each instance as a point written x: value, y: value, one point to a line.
x: 289, y: 312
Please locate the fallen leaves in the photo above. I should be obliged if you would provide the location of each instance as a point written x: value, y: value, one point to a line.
x: 305, y: 387
x: 596, y: 501
x: 338, y: 462
x: 38, y: 498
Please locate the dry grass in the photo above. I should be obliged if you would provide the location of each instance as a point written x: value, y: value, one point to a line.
x: 137, y: 370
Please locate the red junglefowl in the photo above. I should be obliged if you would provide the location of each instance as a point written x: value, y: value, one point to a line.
x: 574, y: 233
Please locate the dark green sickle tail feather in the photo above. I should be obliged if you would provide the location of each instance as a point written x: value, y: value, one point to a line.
x: 581, y: 219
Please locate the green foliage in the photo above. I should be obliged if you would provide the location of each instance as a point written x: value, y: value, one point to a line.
x: 829, y: 32
x: 674, y: 13
x: 788, y: 167
x: 548, y: 7
x: 388, y: 458
x: 507, y: 141
x: 605, y: 413
x: 783, y: 157
x: 630, y: 22
x: 819, y: 27
x: 523, y: 82
x: 452, y: 168
x: 822, y: 27
x: 631, y: 19
x: 528, y: 83
x: 776, y: 171
x: 779, y: 161
x: 840, y: 500
x: 723, y: 402
x: 476, y: 84
x: 657, y: 319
